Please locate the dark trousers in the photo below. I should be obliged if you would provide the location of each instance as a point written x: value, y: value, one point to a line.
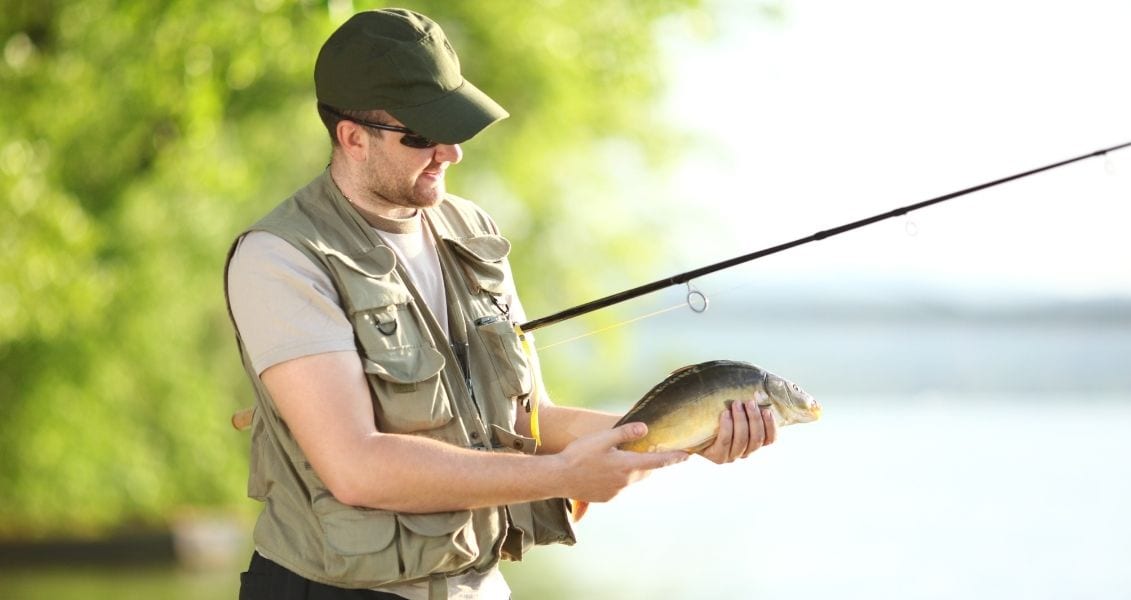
x: 266, y: 580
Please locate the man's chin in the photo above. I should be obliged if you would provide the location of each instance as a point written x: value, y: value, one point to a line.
x: 430, y: 197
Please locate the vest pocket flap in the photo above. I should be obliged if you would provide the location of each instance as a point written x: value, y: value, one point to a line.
x: 486, y: 248
x: 371, y: 289
x: 482, y: 261
x: 351, y: 531
x: 406, y: 365
x: 435, y: 524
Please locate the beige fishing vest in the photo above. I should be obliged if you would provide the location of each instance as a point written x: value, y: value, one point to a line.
x: 418, y: 387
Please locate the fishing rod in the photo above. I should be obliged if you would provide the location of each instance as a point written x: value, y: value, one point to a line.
x: 686, y: 277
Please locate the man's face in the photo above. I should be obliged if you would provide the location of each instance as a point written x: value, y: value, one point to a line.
x: 406, y: 177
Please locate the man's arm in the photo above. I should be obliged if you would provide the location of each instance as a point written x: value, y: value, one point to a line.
x: 324, y: 400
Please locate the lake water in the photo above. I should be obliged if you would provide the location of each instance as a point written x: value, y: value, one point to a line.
x: 928, y: 497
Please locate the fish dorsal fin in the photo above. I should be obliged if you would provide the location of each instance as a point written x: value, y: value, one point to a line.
x: 682, y: 369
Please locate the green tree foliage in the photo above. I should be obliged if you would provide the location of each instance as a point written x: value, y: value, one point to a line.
x: 137, y: 138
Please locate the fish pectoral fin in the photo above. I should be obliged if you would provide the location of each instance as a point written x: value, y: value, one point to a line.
x: 577, y: 509
x: 701, y: 446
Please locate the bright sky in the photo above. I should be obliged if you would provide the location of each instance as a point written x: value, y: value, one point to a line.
x: 848, y: 109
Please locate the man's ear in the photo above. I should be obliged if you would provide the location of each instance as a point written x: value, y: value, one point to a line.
x: 353, y: 139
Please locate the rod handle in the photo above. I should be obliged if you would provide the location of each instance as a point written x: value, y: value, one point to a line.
x: 241, y: 419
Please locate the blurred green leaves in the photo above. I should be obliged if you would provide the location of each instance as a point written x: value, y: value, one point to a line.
x: 137, y: 138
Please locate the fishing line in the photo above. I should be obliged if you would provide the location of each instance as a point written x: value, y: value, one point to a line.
x: 686, y: 277
x: 696, y: 300
x: 617, y: 325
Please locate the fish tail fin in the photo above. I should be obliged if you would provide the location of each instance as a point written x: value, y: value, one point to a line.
x: 577, y: 509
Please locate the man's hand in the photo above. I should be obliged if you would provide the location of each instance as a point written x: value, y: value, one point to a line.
x: 743, y: 428
x: 596, y: 471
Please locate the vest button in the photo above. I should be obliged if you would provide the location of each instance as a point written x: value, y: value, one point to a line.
x: 475, y: 435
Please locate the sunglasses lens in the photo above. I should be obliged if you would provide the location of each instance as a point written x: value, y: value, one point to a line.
x: 413, y: 140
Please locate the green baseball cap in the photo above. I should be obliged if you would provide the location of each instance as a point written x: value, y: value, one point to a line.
x: 401, y: 62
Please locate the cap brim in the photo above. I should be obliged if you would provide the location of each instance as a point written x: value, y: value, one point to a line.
x: 453, y: 118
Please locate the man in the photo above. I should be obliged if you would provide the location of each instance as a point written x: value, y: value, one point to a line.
x: 391, y: 444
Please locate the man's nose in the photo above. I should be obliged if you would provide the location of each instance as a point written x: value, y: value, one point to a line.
x: 449, y: 153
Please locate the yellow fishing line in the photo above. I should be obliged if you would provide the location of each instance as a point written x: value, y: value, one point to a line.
x: 699, y: 306
x: 611, y: 327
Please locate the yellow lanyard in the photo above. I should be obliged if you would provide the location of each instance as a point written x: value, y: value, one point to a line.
x: 535, y: 431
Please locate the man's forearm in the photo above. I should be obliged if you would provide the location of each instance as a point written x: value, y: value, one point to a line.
x: 414, y: 474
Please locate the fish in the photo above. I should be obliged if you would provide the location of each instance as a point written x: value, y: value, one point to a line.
x: 682, y: 411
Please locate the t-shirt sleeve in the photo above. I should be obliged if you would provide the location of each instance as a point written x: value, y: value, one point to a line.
x: 284, y: 306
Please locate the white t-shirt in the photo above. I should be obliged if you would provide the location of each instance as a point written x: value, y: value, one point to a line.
x: 286, y: 307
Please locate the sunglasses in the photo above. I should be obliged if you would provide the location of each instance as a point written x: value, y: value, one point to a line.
x: 410, y: 137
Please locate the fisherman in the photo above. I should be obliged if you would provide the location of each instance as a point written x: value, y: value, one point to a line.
x: 391, y: 443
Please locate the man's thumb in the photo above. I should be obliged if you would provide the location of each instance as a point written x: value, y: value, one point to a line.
x: 629, y: 432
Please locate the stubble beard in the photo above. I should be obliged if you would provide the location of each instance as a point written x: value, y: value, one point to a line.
x: 403, y: 192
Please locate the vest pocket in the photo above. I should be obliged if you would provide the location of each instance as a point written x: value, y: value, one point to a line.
x: 551, y: 522
x: 355, y: 532
x: 507, y: 357
x: 377, y: 545
x: 535, y: 524
x: 408, y: 390
x: 386, y: 322
x: 379, y: 307
x: 436, y: 542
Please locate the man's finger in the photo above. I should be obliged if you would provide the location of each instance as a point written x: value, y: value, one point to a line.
x: 757, y: 428
x: 770, y: 424
x: 656, y: 460
x: 641, y: 460
x: 721, y: 447
x: 623, y: 433
x: 742, y: 432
